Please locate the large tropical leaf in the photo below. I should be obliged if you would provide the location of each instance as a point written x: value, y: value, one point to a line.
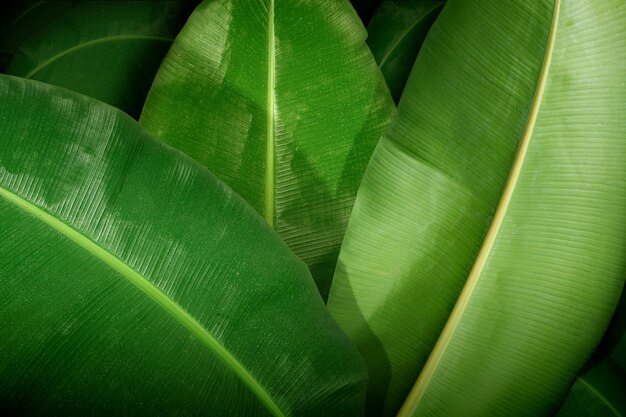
x: 548, y: 77
x: 395, y: 35
x: 20, y: 19
x: 599, y: 392
x: 133, y: 282
x: 283, y: 101
x: 109, y: 50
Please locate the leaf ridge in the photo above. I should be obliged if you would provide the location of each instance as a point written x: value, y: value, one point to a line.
x: 268, y: 213
x: 599, y: 395
x: 21, y: 16
x: 153, y: 292
x: 91, y: 43
x: 438, y: 351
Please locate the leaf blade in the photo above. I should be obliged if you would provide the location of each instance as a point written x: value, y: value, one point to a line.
x: 129, y: 39
x: 293, y: 141
x: 92, y: 175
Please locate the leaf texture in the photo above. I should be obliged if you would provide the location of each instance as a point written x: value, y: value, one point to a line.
x: 283, y: 101
x: 109, y: 50
x: 395, y: 35
x: 542, y: 283
x: 599, y: 392
x: 135, y: 283
x: 20, y: 19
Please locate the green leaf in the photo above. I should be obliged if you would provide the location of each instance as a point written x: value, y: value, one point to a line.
x: 109, y: 50
x: 365, y: 8
x: 282, y: 101
x: 395, y: 35
x: 20, y: 19
x: 599, y: 392
x: 133, y: 282
x: 491, y: 77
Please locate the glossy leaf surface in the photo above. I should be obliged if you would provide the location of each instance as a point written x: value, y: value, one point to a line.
x: 395, y: 36
x: 282, y: 101
x: 127, y: 288
x: 109, y: 50
x: 492, y: 77
x: 599, y: 392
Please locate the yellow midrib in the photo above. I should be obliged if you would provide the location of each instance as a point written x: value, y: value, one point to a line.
x: 151, y: 291
x: 268, y: 213
x: 436, y: 355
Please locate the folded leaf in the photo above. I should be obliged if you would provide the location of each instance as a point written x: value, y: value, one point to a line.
x: 283, y: 101
x: 547, y: 77
x: 109, y: 50
x: 133, y: 282
x: 599, y: 392
x: 395, y: 35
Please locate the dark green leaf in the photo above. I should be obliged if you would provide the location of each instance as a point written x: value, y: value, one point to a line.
x: 395, y: 36
x: 597, y: 393
x: 133, y: 282
x: 109, y: 50
x: 365, y: 8
x: 284, y: 102
x: 19, y: 19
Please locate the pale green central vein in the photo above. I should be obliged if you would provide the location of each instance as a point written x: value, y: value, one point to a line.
x: 271, y: 102
x: 95, y: 42
x: 151, y: 291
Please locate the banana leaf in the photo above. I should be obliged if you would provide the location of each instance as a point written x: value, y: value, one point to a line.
x: 19, y: 19
x: 109, y: 50
x: 543, y: 256
x: 133, y: 282
x: 395, y: 35
x: 599, y: 392
x: 283, y: 101
x: 365, y: 8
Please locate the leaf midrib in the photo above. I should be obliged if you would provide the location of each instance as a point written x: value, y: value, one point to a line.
x: 604, y: 400
x: 438, y: 351
x: 153, y: 292
x: 117, y: 38
x: 268, y: 213
x: 21, y: 16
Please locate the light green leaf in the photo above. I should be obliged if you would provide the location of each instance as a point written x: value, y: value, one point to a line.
x: 283, y: 101
x: 133, y: 282
x: 548, y: 77
x: 109, y: 50
x: 395, y: 35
